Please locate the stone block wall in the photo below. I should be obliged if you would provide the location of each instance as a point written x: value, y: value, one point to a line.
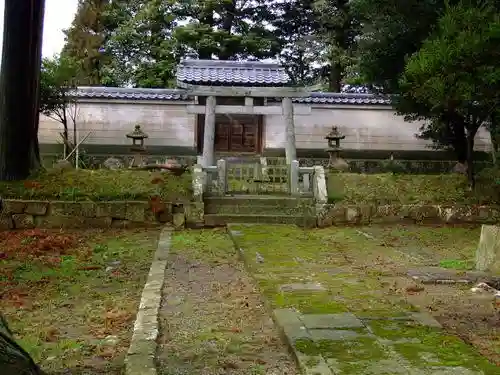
x: 330, y: 215
x: 22, y: 214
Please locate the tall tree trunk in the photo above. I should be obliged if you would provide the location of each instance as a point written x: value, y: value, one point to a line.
x: 13, y: 359
x: 459, y: 140
x: 471, y: 133
x: 19, y: 84
x: 335, y: 77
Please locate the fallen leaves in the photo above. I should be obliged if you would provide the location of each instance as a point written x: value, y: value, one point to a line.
x: 36, y: 242
x: 414, y: 289
x: 50, y: 335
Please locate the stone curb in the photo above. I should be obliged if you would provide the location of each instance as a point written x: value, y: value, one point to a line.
x: 340, y: 215
x: 140, y: 358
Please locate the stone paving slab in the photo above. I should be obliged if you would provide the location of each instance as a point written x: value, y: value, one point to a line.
x: 302, y: 287
x: 333, y: 321
x: 343, y: 344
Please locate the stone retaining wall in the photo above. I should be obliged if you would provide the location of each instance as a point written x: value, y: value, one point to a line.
x: 329, y: 215
x: 23, y: 214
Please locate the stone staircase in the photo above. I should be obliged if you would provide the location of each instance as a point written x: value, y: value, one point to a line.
x: 220, y: 211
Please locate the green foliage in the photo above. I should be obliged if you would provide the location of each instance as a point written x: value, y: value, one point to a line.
x: 139, y: 43
x: 456, y: 73
x: 317, y: 40
x: 57, y: 78
x: 391, y: 32
x: 147, y: 39
x: 297, y: 31
x: 338, y: 30
x: 84, y: 41
x: 457, y: 69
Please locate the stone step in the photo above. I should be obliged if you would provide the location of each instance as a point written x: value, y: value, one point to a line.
x: 222, y: 220
x: 259, y: 209
x: 259, y: 200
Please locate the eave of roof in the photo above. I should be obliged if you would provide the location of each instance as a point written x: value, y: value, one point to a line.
x: 344, y: 98
x: 130, y: 93
x: 119, y: 93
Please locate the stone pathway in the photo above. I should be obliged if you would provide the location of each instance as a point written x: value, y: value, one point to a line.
x: 331, y: 344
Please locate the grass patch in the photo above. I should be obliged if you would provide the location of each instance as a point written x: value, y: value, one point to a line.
x: 457, y: 264
x: 99, y: 185
x: 71, y: 297
x: 388, y: 188
x: 207, y: 246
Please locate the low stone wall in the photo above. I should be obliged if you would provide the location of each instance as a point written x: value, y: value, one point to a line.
x: 329, y: 215
x: 22, y: 214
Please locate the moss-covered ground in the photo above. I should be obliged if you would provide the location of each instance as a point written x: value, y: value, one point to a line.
x: 358, y: 269
x: 99, y: 185
x: 389, y: 188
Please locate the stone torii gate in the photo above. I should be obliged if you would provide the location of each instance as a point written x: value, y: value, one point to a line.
x: 215, y: 78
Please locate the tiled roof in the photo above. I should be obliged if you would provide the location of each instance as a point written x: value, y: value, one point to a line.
x: 130, y: 93
x: 217, y: 72
x: 179, y: 94
x: 344, y: 98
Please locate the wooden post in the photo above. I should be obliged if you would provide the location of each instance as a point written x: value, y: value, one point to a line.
x: 209, y: 133
x: 290, y: 147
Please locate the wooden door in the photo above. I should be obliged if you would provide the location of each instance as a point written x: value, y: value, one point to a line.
x: 234, y: 133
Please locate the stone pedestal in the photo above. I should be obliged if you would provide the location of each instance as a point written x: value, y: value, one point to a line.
x: 488, y: 250
x: 336, y: 163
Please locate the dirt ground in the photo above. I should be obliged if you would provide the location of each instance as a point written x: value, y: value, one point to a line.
x: 471, y: 316
x: 213, y: 319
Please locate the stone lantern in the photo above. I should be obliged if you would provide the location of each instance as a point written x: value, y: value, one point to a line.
x: 335, y: 162
x: 138, y: 149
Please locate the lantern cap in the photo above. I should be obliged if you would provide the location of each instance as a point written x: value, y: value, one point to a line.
x: 137, y: 133
x: 335, y: 134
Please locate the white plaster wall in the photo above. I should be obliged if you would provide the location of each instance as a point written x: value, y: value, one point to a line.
x: 167, y: 124
x: 365, y: 128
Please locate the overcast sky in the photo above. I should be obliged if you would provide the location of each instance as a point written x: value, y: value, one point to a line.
x: 58, y: 16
